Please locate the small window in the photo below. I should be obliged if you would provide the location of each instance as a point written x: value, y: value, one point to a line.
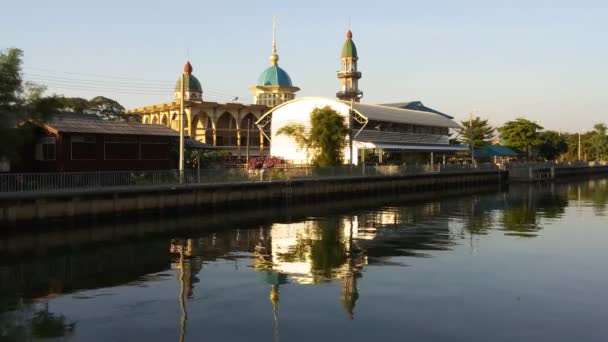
x: 83, y: 147
x: 45, y: 149
x: 121, y: 148
x: 154, y: 149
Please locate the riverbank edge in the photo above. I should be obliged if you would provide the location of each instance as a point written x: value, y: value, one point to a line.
x: 119, y: 201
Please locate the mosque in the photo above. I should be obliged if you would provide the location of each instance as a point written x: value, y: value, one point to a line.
x: 250, y: 130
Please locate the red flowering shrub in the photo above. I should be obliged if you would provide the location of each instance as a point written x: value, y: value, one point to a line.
x: 268, y: 162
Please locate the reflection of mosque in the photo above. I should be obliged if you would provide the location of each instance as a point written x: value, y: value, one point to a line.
x: 317, y: 251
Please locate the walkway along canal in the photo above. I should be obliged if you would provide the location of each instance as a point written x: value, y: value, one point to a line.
x: 157, y: 192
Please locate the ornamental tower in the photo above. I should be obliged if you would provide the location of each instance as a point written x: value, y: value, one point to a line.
x: 274, y: 84
x: 192, y: 87
x: 348, y: 74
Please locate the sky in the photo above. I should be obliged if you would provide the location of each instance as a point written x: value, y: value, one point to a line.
x: 542, y: 60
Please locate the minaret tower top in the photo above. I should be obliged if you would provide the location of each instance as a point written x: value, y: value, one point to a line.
x: 349, y: 75
x: 274, y: 85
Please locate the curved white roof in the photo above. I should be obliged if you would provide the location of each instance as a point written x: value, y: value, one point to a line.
x: 383, y: 113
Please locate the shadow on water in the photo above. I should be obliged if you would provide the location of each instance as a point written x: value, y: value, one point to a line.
x: 304, y: 244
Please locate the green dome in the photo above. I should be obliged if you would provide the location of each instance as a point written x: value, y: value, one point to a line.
x: 192, y: 84
x: 274, y: 76
x: 349, y: 49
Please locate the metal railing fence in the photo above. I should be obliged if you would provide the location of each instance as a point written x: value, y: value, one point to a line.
x: 74, y: 181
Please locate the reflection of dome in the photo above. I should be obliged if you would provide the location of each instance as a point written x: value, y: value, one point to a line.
x: 274, y: 76
x: 349, y: 49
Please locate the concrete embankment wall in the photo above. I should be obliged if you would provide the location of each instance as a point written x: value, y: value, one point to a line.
x: 580, y: 171
x: 547, y: 173
x: 108, y: 202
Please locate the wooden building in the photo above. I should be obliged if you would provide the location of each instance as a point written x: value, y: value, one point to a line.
x: 78, y: 142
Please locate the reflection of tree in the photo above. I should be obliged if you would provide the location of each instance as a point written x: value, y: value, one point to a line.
x: 46, y: 324
x: 478, y: 220
x: 594, y: 192
x: 328, y: 252
x: 26, y: 321
x: 520, y: 220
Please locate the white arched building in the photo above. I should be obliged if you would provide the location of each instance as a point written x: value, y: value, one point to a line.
x: 385, y: 131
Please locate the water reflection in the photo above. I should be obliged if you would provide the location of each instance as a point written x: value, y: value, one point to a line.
x: 282, y: 248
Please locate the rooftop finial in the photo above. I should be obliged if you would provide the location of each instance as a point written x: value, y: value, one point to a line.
x: 349, y: 35
x: 274, y: 57
x: 188, y: 68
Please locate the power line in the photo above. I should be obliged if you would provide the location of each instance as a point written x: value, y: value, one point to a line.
x: 131, y: 80
x: 97, y: 75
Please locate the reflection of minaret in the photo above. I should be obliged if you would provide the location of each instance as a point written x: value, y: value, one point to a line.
x: 274, y: 299
x: 182, y: 295
x: 349, y: 292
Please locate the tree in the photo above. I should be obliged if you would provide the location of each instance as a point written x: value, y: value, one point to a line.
x: 551, y: 145
x: 599, y: 142
x: 19, y: 101
x: 107, y: 109
x: 299, y: 134
x: 521, y: 134
x: 481, y: 132
x: 326, y: 137
x: 75, y: 104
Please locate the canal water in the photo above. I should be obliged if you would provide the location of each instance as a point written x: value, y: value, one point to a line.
x: 527, y: 263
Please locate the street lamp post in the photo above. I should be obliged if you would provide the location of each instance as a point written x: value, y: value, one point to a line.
x: 350, y: 126
x: 350, y: 130
x: 181, y: 131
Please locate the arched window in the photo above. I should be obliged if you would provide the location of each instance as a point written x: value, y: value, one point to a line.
x: 201, y: 128
x: 225, y: 132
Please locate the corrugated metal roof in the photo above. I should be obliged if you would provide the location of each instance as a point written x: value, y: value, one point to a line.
x: 495, y: 150
x: 415, y: 105
x: 412, y: 147
x: 394, y: 114
x: 85, y: 123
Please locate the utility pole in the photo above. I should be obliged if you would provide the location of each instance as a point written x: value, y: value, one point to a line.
x: 181, y: 132
x: 472, y: 136
x: 248, y: 129
x: 579, y: 146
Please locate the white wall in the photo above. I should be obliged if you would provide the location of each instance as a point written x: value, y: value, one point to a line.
x: 298, y: 111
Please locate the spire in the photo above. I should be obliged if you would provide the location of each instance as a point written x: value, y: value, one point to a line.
x: 274, y: 58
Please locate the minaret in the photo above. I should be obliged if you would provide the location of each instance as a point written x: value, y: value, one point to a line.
x: 348, y: 74
x: 274, y: 84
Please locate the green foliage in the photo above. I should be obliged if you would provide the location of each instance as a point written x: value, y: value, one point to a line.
x: 48, y: 325
x: 207, y: 159
x: 103, y: 107
x: 299, y: 134
x: 480, y: 131
x: 326, y: 137
x: 75, y: 104
x: 521, y: 134
x: 327, y: 132
x: 599, y: 142
x: 12, y: 85
x: 552, y: 145
x: 19, y: 101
